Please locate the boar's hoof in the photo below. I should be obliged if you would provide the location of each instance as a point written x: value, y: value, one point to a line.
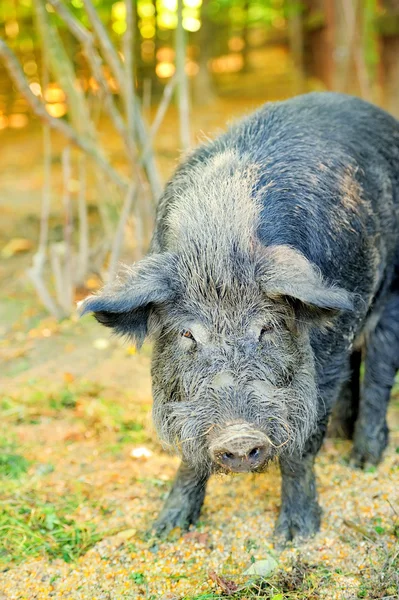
x: 296, y: 526
x: 363, y: 459
x: 170, y: 518
x: 368, y: 449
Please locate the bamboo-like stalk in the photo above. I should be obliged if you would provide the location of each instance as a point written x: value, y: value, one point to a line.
x: 160, y: 114
x: 146, y: 99
x: 85, y: 37
x: 128, y: 44
x: 182, y: 89
x: 46, y: 192
x: 17, y: 75
x: 63, y: 71
x: 139, y: 229
x: 56, y: 266
x: 114, y: 62
x: 68, y: 228
x: 84, y: 247
x: 295, y: 28
x: 35, y: 272
x: 120, y: 231
x: 352, y: 12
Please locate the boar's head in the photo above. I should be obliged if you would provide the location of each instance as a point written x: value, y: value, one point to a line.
x: 233, y: 370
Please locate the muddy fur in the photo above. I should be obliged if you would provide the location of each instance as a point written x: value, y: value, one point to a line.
x: 275, y: 256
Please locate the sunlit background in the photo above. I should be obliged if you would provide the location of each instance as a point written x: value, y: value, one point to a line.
x: 122, y: 89
x: 227, y: 40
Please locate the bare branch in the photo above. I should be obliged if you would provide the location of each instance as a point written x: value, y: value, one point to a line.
x: 107, y: 46
x: 16, y: 73
x: 75, y: 27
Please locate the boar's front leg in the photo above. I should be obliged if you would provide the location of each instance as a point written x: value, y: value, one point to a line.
x: 184, y: 502
x: 300, y: 512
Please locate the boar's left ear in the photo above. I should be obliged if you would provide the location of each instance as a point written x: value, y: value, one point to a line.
x: 126, y: 305
x: 290, y: 275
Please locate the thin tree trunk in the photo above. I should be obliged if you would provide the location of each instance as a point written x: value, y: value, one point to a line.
x: 296, y: 45
x: 182, y: 89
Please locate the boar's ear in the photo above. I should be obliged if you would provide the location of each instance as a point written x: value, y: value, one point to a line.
x: 126, y: 304
x: 291, y: 276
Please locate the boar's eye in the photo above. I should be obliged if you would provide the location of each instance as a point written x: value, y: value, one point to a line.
x: 186, y: 333
x: 266, y: 329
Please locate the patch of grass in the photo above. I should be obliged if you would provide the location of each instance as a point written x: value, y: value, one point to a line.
x: 299, y: 580
x: 251, y: 544
x: 381, y: 581
x: 130, y: 425
x: 12, y: 466
x: 65, y: 398
x: 138, y: 578
x: 30, y: 528
x: 204, y: 596
x: 36, y: 400
x: 380, y: 578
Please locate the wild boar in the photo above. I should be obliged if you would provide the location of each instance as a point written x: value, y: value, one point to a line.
x: 274, y: 261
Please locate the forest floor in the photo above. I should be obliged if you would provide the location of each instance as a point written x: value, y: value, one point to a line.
x: 83, y: 475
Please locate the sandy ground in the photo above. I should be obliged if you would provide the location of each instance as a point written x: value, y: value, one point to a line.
x: 121, y: 494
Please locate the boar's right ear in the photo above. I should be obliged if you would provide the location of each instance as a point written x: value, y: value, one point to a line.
x: 291, y: 276
x: 126, y: 304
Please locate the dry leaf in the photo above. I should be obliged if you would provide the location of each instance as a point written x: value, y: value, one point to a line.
x: 126, y: 534
x: 15, y: 246
x: 68, y: 377
x: 263, y: 568
x: 196, y: 536
x: 225, y: 585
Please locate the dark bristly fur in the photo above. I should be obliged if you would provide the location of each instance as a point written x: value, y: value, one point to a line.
x: 277, y: 248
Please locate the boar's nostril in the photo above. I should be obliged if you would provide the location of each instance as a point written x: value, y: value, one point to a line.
x: 227, y: 456
x: 254, y: 454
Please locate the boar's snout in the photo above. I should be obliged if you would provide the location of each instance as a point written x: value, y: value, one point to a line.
x: 240, y: 449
